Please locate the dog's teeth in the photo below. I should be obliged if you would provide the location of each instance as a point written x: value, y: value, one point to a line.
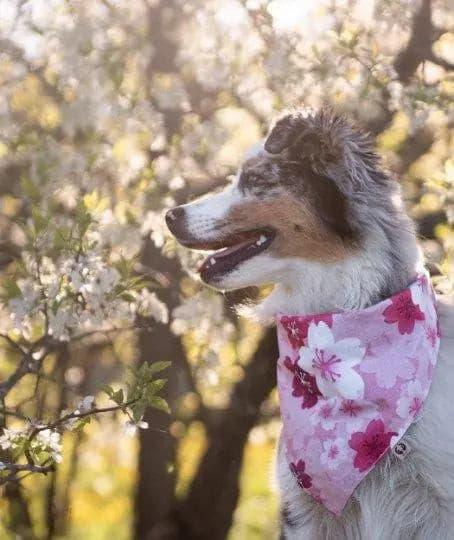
x: 261, y: 240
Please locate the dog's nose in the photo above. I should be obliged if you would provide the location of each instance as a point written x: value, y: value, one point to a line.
x: 174, y: 215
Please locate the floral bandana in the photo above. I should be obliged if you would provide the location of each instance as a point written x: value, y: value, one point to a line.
x: 351, y: 384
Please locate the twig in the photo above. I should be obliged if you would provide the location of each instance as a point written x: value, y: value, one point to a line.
x: 28, y: 468
x: 18, y: 467
x: 13, y: 343
x: 8, y: 412
x: 108, y: 331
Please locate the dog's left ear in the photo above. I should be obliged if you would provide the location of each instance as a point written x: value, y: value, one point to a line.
x: 286, y: 132
x: 320, y: 139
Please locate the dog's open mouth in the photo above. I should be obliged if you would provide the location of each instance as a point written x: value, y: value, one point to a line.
x: 231, y: 251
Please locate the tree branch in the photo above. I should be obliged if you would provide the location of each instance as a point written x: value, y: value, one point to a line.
x: 419, y: 46
x: 445, y: 64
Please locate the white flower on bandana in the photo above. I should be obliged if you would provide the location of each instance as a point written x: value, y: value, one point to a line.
x: 324, y: 414
x: 334, y: 453
x: 410, y: 404
x: 331, y: 362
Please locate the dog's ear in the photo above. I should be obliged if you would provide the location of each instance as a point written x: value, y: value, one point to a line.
x: 320, y: 139
x: 285, y: 132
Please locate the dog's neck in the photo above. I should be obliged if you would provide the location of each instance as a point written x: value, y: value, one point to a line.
x: 358, y: 282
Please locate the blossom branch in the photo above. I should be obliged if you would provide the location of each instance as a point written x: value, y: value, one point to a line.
x: 26, y: 365
x: 18, y: 467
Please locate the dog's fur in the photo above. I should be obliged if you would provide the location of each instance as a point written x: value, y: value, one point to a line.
x: 342, y: 240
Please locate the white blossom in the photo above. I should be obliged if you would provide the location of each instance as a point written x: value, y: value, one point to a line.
x: 10, y: 438
x: 50, y: 441
x: 87, y: 404
x: 149, y: 305
x: 154, y: 225
x: 23, y: 307
x: 130, y: 427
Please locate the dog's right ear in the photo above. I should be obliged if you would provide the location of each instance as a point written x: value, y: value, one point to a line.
x: 285, y: 132
x: 322, y: 140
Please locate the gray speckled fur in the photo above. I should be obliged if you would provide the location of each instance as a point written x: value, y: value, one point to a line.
x: 399, y: 499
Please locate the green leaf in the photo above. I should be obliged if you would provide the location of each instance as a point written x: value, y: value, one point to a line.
x: 125, y: 267
x: 81, y: 423
x: 159, y: 403
x: 118, y: 397
x: 108, y: 390
x: 40, y: 221
x: 10, y: 290
x: 127, y: 297
x: 62, y: 238
x: 138, y: 410
x: 83, y: 218
x: 155, y: 386
x: 156, y: 367
x: 29, y: 189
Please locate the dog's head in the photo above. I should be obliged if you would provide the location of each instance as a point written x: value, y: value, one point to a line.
x: 306, y: 194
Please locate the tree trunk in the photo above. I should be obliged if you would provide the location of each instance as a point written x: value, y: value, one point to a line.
x: 155, y: 497
x: 207, y: 511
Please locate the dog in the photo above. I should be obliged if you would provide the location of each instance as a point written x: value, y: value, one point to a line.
x: 312, y: 212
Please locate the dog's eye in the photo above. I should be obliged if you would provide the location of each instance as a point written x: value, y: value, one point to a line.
x: 257, y: 183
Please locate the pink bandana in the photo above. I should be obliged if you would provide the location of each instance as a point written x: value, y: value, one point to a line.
x: 350, y: 385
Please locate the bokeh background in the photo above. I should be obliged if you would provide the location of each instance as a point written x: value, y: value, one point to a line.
x: 142, y: 104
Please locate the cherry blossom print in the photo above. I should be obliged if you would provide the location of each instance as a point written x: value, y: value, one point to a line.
x: 297, y: 327
x: 422, y: 294
x: 298, y: 469
x: 382, y: 404
x: 410, y: 404
x: 334, y: 453
x: 332, y: 362
x: 351, y: 408
x: 303, y: 384
x: 355, y: 411
x: 325, y: 414
x: 387, y: 368
x: 403, y: 312
x: 432, y: 335
x: 418, y: 293
x: 370, y: 445
x: 353, y: 387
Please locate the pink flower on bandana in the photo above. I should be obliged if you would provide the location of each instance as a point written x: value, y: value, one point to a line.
x: 403, y: 312
x: 297, y: 327
x: 334, y: 452
x: 351, y: 408
x: 411, y: 402
x: 332, y: 362
x: 432, y: 335
x: 303, y: 384
x: 304, y: 480
x: 387, y: 369
x: 354, y: 412
x: 370, y: 445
